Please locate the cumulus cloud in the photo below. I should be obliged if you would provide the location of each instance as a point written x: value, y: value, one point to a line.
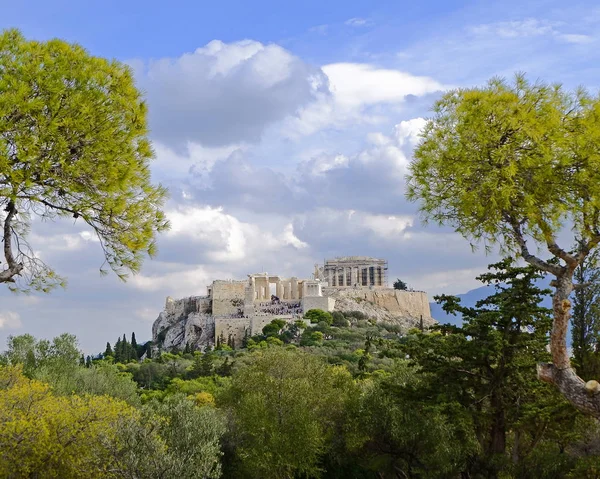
x: 225, y: 93
x: 359, y: 94
x: 10, y: 320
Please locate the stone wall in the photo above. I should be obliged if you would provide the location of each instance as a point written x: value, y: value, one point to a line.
x: 234, y: 327
x: 384, y: 304
x: 227, y: 297
x: 318, y: 302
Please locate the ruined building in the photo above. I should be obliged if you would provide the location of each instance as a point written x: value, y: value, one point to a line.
x: 232, y: 310
x: 355, y: 272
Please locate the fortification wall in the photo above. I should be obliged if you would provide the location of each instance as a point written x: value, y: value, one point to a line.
x: 384, y: 304
x: 234, y: 328
x: 318, y: 302
x: 227, y: 297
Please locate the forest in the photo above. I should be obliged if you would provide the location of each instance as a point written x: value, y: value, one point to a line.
x: 344, y: 397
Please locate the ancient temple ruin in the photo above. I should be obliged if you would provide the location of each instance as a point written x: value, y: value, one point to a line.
x: 355, y: 272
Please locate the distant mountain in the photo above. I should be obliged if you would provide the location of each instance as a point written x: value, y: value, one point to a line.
x: 471, y: 297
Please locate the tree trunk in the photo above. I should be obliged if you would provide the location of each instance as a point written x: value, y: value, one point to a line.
x: 560, y: 373
x: 498, y: 429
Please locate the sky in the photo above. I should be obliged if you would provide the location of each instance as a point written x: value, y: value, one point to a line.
x: 284, y: 131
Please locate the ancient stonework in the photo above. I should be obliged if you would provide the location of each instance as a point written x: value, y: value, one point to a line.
x: 233, y: 310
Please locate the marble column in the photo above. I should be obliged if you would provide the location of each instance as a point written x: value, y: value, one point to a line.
x: 329, y: 278
x: 294, y: 288
x: 286, y: 290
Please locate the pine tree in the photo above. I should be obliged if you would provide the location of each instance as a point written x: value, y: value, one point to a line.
x: 586, y: 318
x: 108, y: 351
x: 206, y: 366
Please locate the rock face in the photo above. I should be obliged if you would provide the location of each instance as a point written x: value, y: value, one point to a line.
x: 404, y: 308
x: 184, y: 321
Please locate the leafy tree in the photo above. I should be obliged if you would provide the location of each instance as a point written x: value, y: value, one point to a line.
x: 192, y: 436
x: 62, y: 353
x: 74, y: 144
x: 395, y: 434
x: 399, y: 284
x: 517, y: 164
x: 318, y: 315
x: 586, y: 318
x: 44, y: 435
x: 282, y: 426
x: 274, y: 328
x: 339, y: 319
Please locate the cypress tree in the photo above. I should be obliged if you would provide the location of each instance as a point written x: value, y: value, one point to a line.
x: 108, y: 351
x: 118, y: 351
x: 134, y: 345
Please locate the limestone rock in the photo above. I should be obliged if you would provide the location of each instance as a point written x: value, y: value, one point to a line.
x: 185, y: 321
x: 404, y: 308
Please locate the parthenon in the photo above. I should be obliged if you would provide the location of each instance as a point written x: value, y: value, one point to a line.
x: 355, y: 271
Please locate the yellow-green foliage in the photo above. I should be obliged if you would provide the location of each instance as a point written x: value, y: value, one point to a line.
x: 509, y: 157
x: 44, y: 435
x: 74, y: 144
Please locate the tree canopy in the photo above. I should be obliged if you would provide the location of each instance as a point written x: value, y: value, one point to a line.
x: 73, y: 143
x: 518, y: 164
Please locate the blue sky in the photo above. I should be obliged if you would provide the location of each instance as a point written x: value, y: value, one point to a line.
x: 283, y: 131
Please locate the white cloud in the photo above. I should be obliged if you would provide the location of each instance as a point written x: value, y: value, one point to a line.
x: 518, y: 28
x: 446, y: 282
x: 356, y: 84
x: 388, y: 227
x: 226, y: 239
x: 10, y: 320
x: 288, y: 237
x: 225, y: 93
x: 530, y: 27
x: 358, y: 22
x: 575, y: 38
x: 358, y: 94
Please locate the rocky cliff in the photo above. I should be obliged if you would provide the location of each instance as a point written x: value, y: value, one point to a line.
x: 404, y: 308
x: 184, y: 321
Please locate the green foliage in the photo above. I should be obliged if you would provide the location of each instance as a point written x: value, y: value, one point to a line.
x: 74, y: 145
x: 339, y: 319
x: 399, y: 284
x: 508, y: 157
x: 318, y: 315
x: 282, y: 424
x: 487, y: 366
x: 586, y: 318
x: 274, y: 328
x: 398, y: 435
